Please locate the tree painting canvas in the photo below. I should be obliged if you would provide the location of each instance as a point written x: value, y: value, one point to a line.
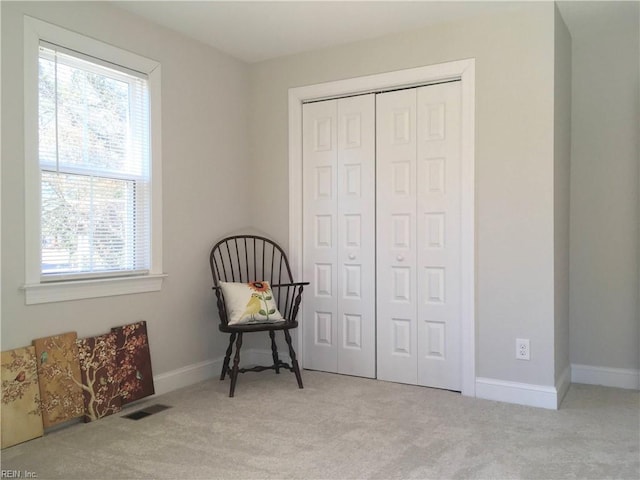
x: 134, y: 361
x: 59, y: 378
x: 99, y: 371
x: 20, y: 419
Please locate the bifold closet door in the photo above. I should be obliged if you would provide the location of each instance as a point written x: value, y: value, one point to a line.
x: 396, y: 250
x: 339, y: 235
x: 418, y: 236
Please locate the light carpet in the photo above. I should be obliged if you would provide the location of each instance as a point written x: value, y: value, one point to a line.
x: 344, y: 427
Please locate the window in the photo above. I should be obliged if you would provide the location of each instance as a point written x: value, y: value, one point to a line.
x: 92, y: 167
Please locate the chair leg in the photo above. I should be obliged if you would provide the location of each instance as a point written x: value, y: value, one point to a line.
x: 294, y: 361
x: 236, y: 362
x: 227, y: 358
x: 274, y: 351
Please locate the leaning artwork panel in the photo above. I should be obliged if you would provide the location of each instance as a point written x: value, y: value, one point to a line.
x: 20, y: 419
x: 59, y: 378
x: 99, y: 373
x: 134, y: 361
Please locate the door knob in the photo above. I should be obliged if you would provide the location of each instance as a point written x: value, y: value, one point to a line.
x: 352, y: 256
x: 400, y: 258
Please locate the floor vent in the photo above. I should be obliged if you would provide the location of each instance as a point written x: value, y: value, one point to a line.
x: 145, y: 412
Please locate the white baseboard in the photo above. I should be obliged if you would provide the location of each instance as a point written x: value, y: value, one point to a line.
x: 520, y: 393
x: 185, y: 376
x: 609, y: 377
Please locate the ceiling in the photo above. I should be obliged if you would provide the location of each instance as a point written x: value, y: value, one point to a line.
x: 254, y: 31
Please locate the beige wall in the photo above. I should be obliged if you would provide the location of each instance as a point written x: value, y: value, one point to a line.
x: 561, y: 192
x: 204, y: 120
x: 605, y: 319
x: 514, y: 55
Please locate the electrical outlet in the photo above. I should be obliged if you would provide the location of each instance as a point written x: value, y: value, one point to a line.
x: 523, y: 351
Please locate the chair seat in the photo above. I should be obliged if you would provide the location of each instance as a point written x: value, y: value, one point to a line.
x: 257, y: 327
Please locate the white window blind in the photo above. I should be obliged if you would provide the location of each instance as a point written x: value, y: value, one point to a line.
x: 94, y: 158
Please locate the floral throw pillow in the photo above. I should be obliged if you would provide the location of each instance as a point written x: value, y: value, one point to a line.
x: 250, y: 303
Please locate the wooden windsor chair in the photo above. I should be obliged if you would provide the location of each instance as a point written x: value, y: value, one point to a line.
x: 251, y: 259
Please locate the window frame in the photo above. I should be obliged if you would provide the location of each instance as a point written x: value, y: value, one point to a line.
x: 37, y: 290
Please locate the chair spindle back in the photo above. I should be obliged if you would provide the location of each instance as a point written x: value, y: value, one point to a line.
x: 251, y: 258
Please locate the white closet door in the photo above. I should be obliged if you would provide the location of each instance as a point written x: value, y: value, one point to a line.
x: 356, y: 236
x: 320, y: 162
x: 339, y: 235
x: 396, y: 251
x: 438, y: 232
x: 418, y: 231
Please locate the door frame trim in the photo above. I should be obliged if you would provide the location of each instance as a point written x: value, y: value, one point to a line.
x: 463, y: 70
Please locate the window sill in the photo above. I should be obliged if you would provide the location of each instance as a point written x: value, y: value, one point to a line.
x: 81, y: 289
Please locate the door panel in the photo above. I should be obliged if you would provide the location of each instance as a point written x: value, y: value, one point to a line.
x: 356, y: 235
x: 339, y: 248
x: 438, y: 231
x: 396, y: 254
x: 418, y: 221
x: 382, y: 229
x: 320, y: 171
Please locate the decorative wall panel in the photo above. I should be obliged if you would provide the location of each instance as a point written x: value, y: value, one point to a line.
x: 133, y: 359
x: 99, y: 376
x: 59, y: 378
x: 20, y: 416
